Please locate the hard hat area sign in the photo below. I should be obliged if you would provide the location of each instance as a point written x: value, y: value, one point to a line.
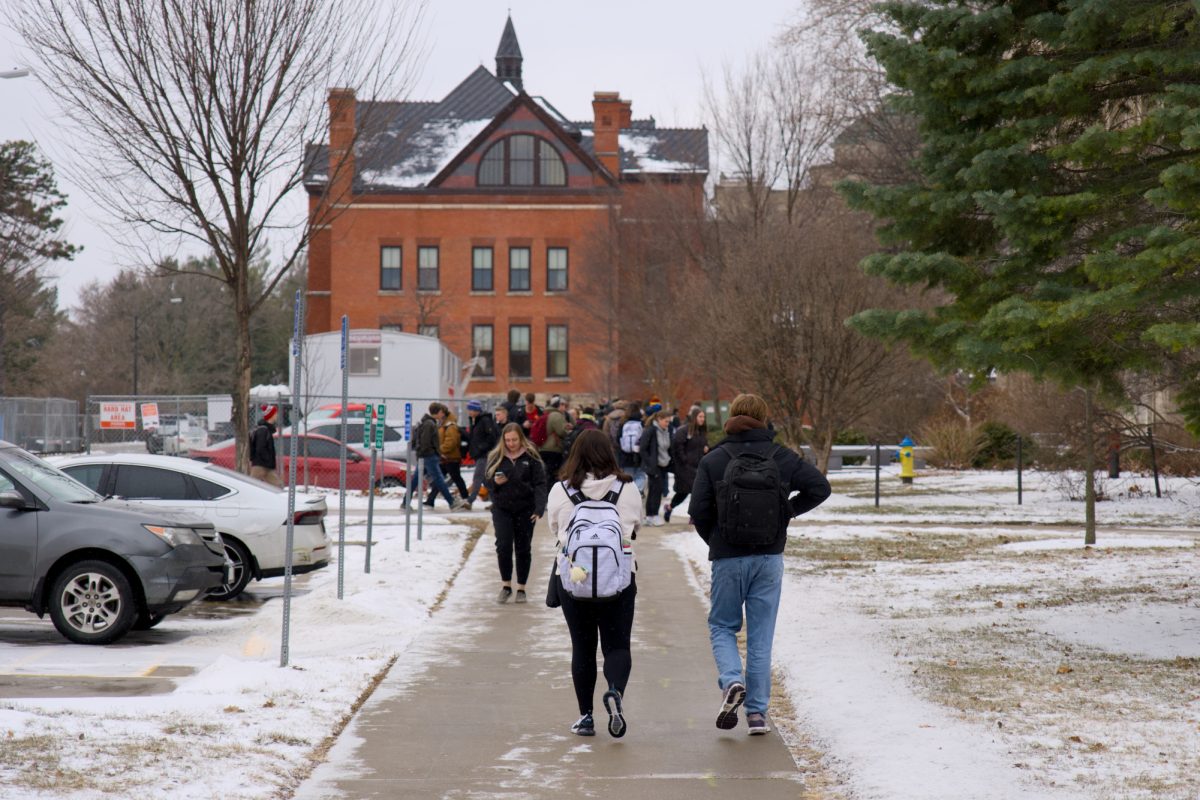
x: 121, y: 415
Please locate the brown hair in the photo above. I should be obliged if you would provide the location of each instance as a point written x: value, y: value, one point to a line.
x: 749, y: 405
x: 693, y: 423
x: 513, y: 395
x: 497, y: 455
x: 591, y: 454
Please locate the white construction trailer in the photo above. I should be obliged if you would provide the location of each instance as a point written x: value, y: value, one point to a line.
x: 383, y: 365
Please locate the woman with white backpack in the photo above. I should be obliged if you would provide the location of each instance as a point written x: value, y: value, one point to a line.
x: 594, y: 516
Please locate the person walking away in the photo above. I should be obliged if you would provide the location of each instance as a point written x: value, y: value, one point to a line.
x: 516, y: 482
x: 482, y: 437
x: 512, y: 404
x: 688, y: 446
x: 611, y: 424
x: 590, y: 473
x: 450, y: 452
x: 586, y: 421
x: 556, y: 436
x: 428, y: 447
x: 655, y: 450
x: 745, y: 545
x: 262, y: 448
x: 628, y: 444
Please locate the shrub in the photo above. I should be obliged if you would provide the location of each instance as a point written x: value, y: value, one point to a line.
x: 954, y: 444
x: 997, y: 446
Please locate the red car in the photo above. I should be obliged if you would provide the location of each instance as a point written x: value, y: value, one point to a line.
x: 334, y: 410
x: 322, y: 462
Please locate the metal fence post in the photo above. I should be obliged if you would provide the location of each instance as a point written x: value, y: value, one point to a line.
x: 291, y: 520
x: 1153, y: 461
x: 878, y: 467
x: 1020, y: 467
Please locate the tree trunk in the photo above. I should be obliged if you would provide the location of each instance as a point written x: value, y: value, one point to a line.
x: 1089, y: 464
x: 241, y: 391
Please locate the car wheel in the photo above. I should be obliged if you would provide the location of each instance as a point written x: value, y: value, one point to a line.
x: 240, y: 557
x: 91, y: 602
x: 146, y: 621
x: 390, y: 483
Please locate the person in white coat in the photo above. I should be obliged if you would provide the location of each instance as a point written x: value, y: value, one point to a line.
x: 591, y: 469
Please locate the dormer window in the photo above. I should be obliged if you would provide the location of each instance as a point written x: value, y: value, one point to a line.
x: 522, y: 160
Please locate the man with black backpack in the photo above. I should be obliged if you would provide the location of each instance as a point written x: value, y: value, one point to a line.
x: 747, y: 489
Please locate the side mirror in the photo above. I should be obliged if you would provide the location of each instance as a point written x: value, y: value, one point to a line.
x: 354, y: 456
x: 12, y: 500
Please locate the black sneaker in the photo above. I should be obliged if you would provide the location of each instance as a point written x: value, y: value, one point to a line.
x: 616, y: 720
x: 667, y: 513
x: 735, y: 695
x: 757, y: 723
x: 585, y: 726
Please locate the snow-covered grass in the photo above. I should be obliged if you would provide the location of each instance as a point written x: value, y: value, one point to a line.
x: 239, y: 726
x: 953, y: 644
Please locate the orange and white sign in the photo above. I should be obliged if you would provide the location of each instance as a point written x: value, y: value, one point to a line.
x: 121, y: 415
x: 149, y: 416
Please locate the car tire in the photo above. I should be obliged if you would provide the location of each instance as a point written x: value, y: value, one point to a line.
x: 92, y: 602
x: 390, y: 483
x: 242, y: 571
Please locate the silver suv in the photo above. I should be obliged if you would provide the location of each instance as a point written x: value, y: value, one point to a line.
x: 99, y: 567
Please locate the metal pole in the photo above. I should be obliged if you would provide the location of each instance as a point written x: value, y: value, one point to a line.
x: 135, y: 357
x: 370, y: 502
x: 408, y: 479
x: 878, y: 467
x: 1020, y: 466
x: 342, y: 464
x: 291, y: 518
x: 1153, y: 461
x: 420, y: 496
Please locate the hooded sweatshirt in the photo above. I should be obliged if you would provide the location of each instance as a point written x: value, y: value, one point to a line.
x: 559, y: 507
x: 807, y: 487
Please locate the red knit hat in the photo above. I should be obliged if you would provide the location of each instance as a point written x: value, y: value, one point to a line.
x: 270, y: 412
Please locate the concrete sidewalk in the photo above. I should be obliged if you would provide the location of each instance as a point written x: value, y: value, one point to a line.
x: 490, y: 716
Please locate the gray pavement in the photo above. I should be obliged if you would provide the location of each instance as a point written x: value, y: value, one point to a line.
x: 490, y: 717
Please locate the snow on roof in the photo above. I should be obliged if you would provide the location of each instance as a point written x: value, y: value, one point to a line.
x: 429, y: 150
x: 642, y: 146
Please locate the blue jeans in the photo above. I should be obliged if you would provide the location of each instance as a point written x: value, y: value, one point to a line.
x: 754, y: 582
x: 639, y: 479
x: 432, y: 471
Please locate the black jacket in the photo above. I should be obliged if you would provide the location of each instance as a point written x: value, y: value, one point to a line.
x: 425, y: 439
x: 482, y: 436
x: 686, y: 453
x: 648, y: 450
x: 525, y: 490
x: 803, y: 478
x: 262, y: 446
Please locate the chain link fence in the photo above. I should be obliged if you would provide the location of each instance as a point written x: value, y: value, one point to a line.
x: 42, y: 424
x: 167, y: 425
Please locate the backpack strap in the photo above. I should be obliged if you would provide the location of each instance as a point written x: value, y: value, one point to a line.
x: 613, y: 495
x: 575, y: 495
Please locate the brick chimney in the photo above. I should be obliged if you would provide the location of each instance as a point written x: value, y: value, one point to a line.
x: 611, y: 115
x: 342, y: 110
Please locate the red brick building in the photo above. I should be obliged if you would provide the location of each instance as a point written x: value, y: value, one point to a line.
x: 472, y: 218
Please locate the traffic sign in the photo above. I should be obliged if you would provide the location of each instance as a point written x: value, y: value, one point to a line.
x: 368, y: 425
x: 408, y: 422
x: 379, y: 426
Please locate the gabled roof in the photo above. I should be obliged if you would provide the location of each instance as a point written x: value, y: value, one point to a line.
x: 407, y: 145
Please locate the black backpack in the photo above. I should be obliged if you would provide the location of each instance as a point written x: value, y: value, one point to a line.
x: 752, y: 502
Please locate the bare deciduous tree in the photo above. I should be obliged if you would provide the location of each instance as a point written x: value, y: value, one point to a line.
x: 191, y: 118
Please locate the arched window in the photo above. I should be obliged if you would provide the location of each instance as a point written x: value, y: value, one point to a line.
x: 522, y: 160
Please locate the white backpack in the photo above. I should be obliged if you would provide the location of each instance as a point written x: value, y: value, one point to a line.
x: 596, y: 545
x: 631, y: 435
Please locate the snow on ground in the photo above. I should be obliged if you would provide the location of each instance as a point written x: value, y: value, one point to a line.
x: 952, y: 644
x: 240, y: 726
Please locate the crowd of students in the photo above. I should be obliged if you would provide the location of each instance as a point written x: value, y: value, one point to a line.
x: 556, y: 460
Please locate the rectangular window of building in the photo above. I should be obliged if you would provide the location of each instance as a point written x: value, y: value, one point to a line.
x: 390, y: 261
x: 481, y: 269
x: 520, y: 359
x: 364, y: 361
x: 427, y: 269
x: 428, y: 330
x: 392, y: 326
x: 556, y: 269
x: 518, y: 269
x: 556, y: 351
x: 483, y: 349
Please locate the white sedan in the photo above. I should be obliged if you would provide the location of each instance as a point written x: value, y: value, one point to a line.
x: 250, y: 515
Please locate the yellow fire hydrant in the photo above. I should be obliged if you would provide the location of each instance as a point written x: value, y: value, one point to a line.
x: 907, y: 473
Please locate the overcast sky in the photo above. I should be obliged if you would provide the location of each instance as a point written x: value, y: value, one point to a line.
x: 654, y: 52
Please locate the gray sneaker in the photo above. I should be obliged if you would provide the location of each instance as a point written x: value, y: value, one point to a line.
x: 735, y: 695
x: 757, y: 723
x: 505, y: 593
x: 520, y: 598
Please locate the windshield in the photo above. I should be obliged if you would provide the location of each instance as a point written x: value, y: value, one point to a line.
x: 243, y: 477
x: 54, y: 482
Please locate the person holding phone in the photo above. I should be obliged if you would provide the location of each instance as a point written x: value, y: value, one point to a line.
x: 516, y: 482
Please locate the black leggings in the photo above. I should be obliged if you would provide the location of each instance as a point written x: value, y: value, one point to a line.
x: 513, y: 532
x: 679, y: 497
x: 610, y: 621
